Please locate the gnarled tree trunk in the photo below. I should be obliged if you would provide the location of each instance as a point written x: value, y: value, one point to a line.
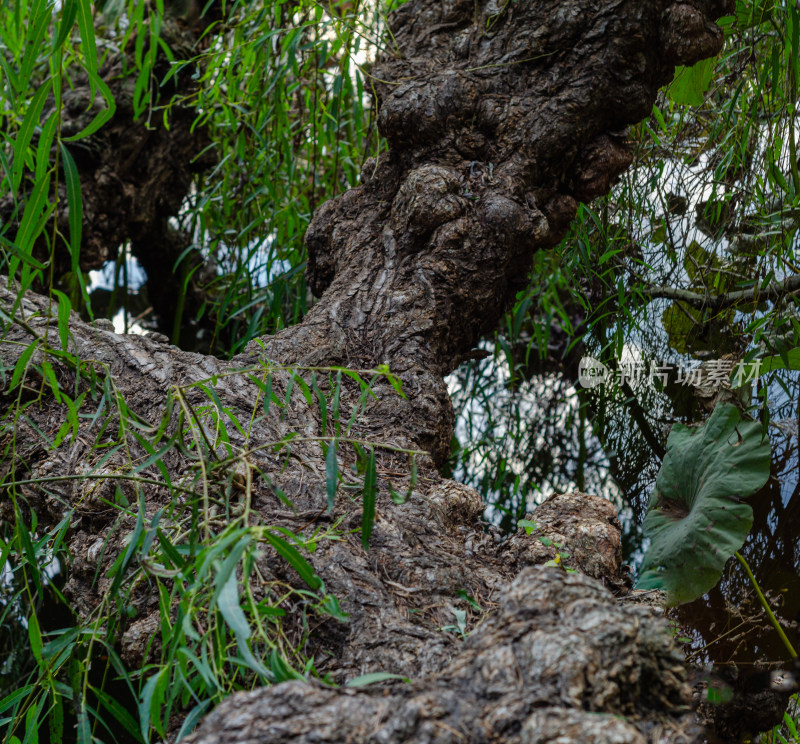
x: 500, y: 118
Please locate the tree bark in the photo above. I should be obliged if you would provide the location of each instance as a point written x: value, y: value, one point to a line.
x: 500, y: 118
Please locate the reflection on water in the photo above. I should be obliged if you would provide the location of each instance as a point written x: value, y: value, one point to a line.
x: 521, y: 440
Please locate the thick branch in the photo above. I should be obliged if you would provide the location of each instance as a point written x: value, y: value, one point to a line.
x: 501, y: 687
x: 773, y: 291
x: 499, y: 119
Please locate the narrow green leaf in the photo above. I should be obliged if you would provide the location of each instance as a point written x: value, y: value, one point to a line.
x: 228, y: 566
x: 335, y: 402
x: 69, y: 9
x: 397, y: 497
x: 268, y: 394
x: 331, y: 605
x: 370, y: 497
x: 10, y: 700
x: 282, y: 671
x: 64, y: 309
x: 22, y: 365
x: 231, y: 610
x: 791, y: 360
x: 303, y: 385
x: 289, y: 388
x: 34, y: 216
x: 331, y: 474
x: 88, y: 45
x: 123, y: 717
x: 191, y: 720
x: 35, y: 636
x: 290, y: 554
x: 227, y: 598
x: 103, y: 115
x: 122, y: 563
x: 414, y: 475
x: 20, y: 255
x: 75, y: 203
x: 373, y: 677
x: 55, y: 718
x: 84, y: 727
x: 150, y: 703
x: 323, y: 404
x: 26, y: 130
x: 43, y: 147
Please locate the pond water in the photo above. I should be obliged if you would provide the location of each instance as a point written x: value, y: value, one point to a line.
x: 524, y: 440
x: 527, y: 428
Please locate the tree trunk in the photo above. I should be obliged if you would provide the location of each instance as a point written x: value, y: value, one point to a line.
x: 500, y: 118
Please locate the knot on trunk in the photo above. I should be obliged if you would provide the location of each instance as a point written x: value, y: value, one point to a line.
x: 689, y: 35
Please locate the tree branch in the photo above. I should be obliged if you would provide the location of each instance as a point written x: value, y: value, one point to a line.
x: 773, y: 291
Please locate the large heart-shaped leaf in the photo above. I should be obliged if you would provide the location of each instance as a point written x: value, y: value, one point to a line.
x: 696, y: 519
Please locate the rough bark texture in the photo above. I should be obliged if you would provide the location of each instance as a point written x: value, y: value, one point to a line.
x: 559, y: 661
x: 499, y: 119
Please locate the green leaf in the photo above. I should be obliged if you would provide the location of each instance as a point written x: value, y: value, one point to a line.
x: 103, y: 115
x: 331, y: 474
x: 527, y: 525
x: 69, y: 10
x: 127, y: 722
x: 150, y: 703
x: 397, y: 497
x: 10, y: 700
x: 228, y: 603
x: 20, y: 255
x: 227, y: 596
x: 55, y: 719
x: 469, y: 599
x: 29, y: 124
x: 331, y: 605
x: 370, y: 497
x: 752, y: 13
x: 282, y: 671
x: 22, y: 365
x: 696, y: 518
x: 228, y: 567
x: 323, y: 404
x: 195, y: 714
x: 303, y: 385
x: 64, y: 308
x: 300, y: 564
x: 791, y: 360
x: 75, y: 204
x: 34, y: 217
x: 84, y: 726
x: 35, y: 636
x: 690, y: 83
x: 373, y: 677
x: 88, y: 46
x: 117, y: 570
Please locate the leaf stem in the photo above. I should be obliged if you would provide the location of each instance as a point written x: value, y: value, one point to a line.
x: 765, y: 605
